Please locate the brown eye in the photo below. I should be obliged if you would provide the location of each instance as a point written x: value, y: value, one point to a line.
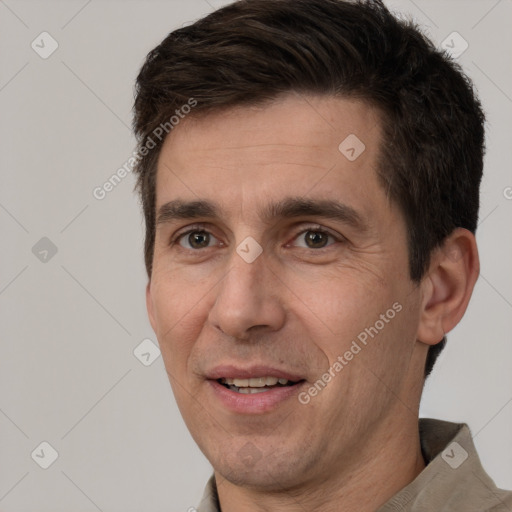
x: 196, y: 239
x: 315, y: 239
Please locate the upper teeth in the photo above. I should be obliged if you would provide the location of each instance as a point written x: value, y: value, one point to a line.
x: 255, y: 382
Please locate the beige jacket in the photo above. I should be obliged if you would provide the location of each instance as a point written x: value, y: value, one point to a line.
x: 453, y: 480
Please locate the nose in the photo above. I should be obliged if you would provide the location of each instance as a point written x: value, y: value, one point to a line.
x: 248, y: 299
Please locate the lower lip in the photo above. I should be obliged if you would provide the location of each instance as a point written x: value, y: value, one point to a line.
x: 256, y: 402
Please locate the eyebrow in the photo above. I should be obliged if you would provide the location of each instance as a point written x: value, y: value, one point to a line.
x: 290, y: 207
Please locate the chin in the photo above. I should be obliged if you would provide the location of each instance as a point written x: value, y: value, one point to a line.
x: 258, y: 478
x: 248, y: 467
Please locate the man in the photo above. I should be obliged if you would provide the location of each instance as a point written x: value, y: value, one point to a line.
x: 309, y: 173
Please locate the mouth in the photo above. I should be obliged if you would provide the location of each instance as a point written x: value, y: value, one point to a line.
x: 256, y: 389
x: 256, y: 384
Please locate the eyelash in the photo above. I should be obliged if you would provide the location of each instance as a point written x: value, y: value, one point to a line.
x: 202, y: 229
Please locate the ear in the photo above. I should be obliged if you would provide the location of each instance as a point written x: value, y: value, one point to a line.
x: 149, y: 306
x: 448, y: 285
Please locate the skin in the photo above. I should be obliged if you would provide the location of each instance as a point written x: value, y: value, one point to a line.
x: 355, y: 444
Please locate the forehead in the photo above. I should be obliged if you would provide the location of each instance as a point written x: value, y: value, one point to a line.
x: 292, y: 120
x: 314, y: 146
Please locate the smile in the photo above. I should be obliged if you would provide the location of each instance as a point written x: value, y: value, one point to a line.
x: 254, y: 384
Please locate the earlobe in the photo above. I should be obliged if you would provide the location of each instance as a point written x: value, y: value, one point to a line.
x: 448, y: 285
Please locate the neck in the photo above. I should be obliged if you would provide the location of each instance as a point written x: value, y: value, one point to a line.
x: 384, y: 465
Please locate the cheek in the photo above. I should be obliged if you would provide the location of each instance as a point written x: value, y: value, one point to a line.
x: 339, y: 302
x: 341, y: 311
x: 174, y: 296
x: 390, y: 339
x: 179, y: 309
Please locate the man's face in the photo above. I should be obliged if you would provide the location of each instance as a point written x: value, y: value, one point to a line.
x: 328, y: 300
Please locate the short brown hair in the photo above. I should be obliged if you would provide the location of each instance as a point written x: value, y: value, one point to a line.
x: 252, y: 51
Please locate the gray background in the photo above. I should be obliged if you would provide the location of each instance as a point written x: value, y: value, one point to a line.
x: 70, y: 324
